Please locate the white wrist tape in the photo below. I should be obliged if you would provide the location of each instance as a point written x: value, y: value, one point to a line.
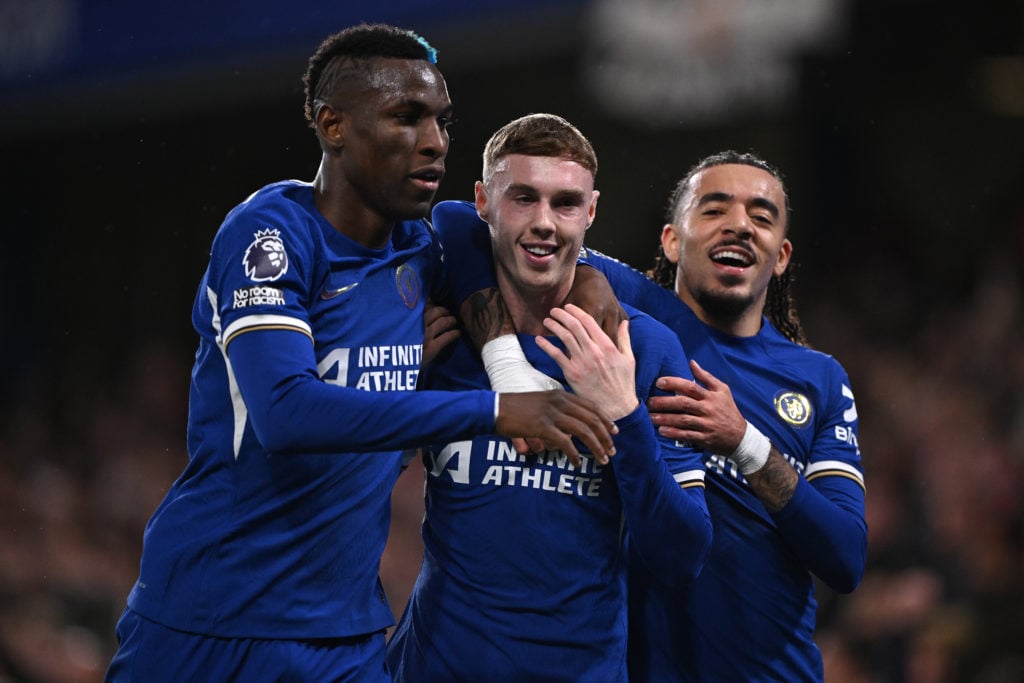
x: 752, y: 453
x: 508, y: 369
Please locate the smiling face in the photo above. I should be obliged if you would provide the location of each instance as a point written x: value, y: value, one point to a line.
x: 728, y: 238
x: 538, y: 209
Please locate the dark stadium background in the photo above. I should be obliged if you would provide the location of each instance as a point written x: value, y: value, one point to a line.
x: 128, y: 131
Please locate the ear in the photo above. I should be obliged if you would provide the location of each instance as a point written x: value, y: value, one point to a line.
x: 670, y: 242
x: 330, y: 126
x: 480, y: 199
x: 592, y: 211
x: 785, y: 253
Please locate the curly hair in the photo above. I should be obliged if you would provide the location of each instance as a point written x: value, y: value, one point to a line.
x: 780, y: 304
x: 340, y: 56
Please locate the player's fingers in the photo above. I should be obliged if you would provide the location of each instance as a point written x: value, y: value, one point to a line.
x: 537, y: 445
x: 705, y: 377
x: 521, y: 445
x: 679, y: 419
x: 623, y: 342
x: 681, y: 386
x: 446, y: 338
x: 557, y: 328
x: 590, y: 326
x: 556, y: 353
x: 696, y: 438
x: 590, y: 426
x: 580, y: 338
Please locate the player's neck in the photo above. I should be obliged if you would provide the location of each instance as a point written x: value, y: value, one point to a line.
x: 348, y: 214
x: 742, y: 321
x: 529, y: 307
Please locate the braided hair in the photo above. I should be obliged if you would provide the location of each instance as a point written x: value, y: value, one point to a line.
x: 780, y: 304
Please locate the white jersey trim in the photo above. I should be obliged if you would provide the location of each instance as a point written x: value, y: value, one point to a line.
x: 834, y: 468
x: 263, y: 322
x: 241, y: 413
x: 689, y: 478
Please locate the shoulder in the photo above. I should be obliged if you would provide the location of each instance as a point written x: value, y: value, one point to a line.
x: 285, y: 209
x: 817, y: 365
x: 452, y: 209
x: 270, y: 227
x: 649, y: 335
x: 458, y: 220
x: 657, y: 351
x: 285, y: 198
x: 644, y: 324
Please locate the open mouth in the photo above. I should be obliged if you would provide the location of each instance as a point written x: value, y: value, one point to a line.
x: 732, y: 257
x: 540, y: 250
x: 428, y: 177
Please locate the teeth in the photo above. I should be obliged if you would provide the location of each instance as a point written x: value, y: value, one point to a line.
x: 732, y: 256
x: 540, y: 251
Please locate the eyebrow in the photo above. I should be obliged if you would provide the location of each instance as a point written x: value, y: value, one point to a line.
x: 419, y: 106
x: 575, y: 195
x: 759, y: 202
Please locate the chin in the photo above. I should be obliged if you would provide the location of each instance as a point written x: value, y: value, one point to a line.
x: 724, y: 302
x: 414, y: 211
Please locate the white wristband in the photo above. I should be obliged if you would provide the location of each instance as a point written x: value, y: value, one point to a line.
x: 752, y: 453
x: 508, y: 369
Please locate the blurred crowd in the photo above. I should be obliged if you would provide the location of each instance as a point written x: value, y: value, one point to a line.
x: 938, y: 387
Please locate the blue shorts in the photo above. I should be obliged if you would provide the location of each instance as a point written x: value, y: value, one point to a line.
x: 151, y: 653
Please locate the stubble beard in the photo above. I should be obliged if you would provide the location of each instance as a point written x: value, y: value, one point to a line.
x: 722, y: 305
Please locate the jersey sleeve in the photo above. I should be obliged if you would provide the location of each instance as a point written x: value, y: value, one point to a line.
x: 633, y: 287
x: 466, y: 240
x: 265, y: 269
x: 440, y: 290
x: 824, y: 521
x: 293, y: 411
x: 661, y: 481
x: 261, y: 269
x: 667, y: 520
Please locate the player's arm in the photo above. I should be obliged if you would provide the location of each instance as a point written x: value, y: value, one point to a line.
x: 669, y: 527
x: 440, y: 328
x: 824, y: 519
x: 293, y: 411
x: 633, y: 287
x: 824, y: 524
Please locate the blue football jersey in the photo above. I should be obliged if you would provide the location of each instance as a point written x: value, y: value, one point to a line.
x: 270, y: 537
x: 750, y: 615
x: 524, y: 569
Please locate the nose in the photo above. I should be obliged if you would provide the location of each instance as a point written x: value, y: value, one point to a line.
x: 738, y: 222
x: 434, y: 139
x: 544, y: 221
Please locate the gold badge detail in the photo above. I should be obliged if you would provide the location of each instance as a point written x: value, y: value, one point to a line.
x: 792, y: 407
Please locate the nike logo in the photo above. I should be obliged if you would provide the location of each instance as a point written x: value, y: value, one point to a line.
x: 331, y: 293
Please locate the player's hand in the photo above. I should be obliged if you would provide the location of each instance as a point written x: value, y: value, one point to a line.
x: 440, y: 328
x: 706, y: 416
x: 554, y: 418
x: 592, y: 292
x: 594, y: 366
